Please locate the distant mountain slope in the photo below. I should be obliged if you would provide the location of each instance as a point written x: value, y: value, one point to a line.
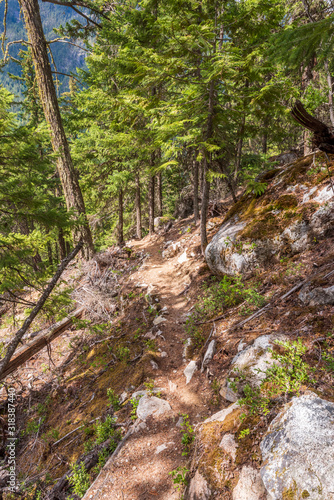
x: 67, y: 57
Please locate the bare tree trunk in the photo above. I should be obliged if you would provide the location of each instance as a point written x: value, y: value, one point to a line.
x: 68, y: 178
x: 159, y: 195
x: 138, y: 208
x: 120, y: 235
x: 205, y: 204
x: 196, y: 208
x: 151, y: 190
x: 62, y: 244
x: 151, y: 198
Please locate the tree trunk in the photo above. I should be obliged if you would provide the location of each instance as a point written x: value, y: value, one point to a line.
x: 205, y: 204
x: 151, y: 186
x: 62, y: 244
x: 138, y: 208
x: 239, y: 148
x: 330, y: 93
x: 151, y: 200
x: 196, y: 208
x: 120, y: 235
x: 227, y: 178
x: 69, y: 181
x: 307, y: 141
x: 159, y: 195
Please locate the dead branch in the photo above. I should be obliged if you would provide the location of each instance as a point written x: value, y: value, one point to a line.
x: 43, y: 340
x: 19, y: 334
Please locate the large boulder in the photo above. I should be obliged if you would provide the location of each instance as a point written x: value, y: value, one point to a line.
x: 298, y: 451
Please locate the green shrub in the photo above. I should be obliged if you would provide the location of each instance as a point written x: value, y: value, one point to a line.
x: 79, y: 480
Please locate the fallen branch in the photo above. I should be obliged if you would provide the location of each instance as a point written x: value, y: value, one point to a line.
x: 74, y: 430
x: 43, y: 340
x: 266, y: 307
x: 11, y: 348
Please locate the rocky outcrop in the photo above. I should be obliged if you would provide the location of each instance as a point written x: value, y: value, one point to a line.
x: 257, y: 229
x: 298, y: 452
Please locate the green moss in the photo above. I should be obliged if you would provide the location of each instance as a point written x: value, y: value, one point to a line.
x: 261, y: 228
x: 286, y: 201
x: 267, y: 176
x: 305, y: 494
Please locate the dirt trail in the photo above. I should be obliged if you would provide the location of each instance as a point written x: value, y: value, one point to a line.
x: 141, y: 470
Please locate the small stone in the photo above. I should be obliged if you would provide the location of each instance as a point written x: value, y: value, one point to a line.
x: 209, y: 354
x: 172, y: 386
x: 229, y: 445
x: 250, y: 485
x: 154, y: 365
x: 161, y: 448
x: 222, y: 414
x: 152, y: 406
x: 228, y: 394
x: 179, y: 423
x: 164, y: 354
x: 158, y: 320
x: 198, y: 488
x: 123, y: 397
x: 190, y: 370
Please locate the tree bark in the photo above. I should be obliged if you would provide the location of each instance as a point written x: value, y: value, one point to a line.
x: 138, y: 208
x: 151, y: 189
x: 196, y: 207
x: 205, y: 204
x: 159, y: 195
x: 120, y: 235
x: 47, y: 91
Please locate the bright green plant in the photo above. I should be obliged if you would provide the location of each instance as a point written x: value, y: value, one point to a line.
x: 244, y: 433
x: 256, y: 188
x: 135, y: 403
x: 286, y: 376
x: 106, y: 430
x: 179, y: 476
x: 113, y: 399
x: 79, y: 480
x: 292, y: 371
x: 188, y: 434
x: 150, y: 345
x: 123, y: 353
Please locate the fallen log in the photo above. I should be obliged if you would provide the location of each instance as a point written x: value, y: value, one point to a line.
x: 42, y: 340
